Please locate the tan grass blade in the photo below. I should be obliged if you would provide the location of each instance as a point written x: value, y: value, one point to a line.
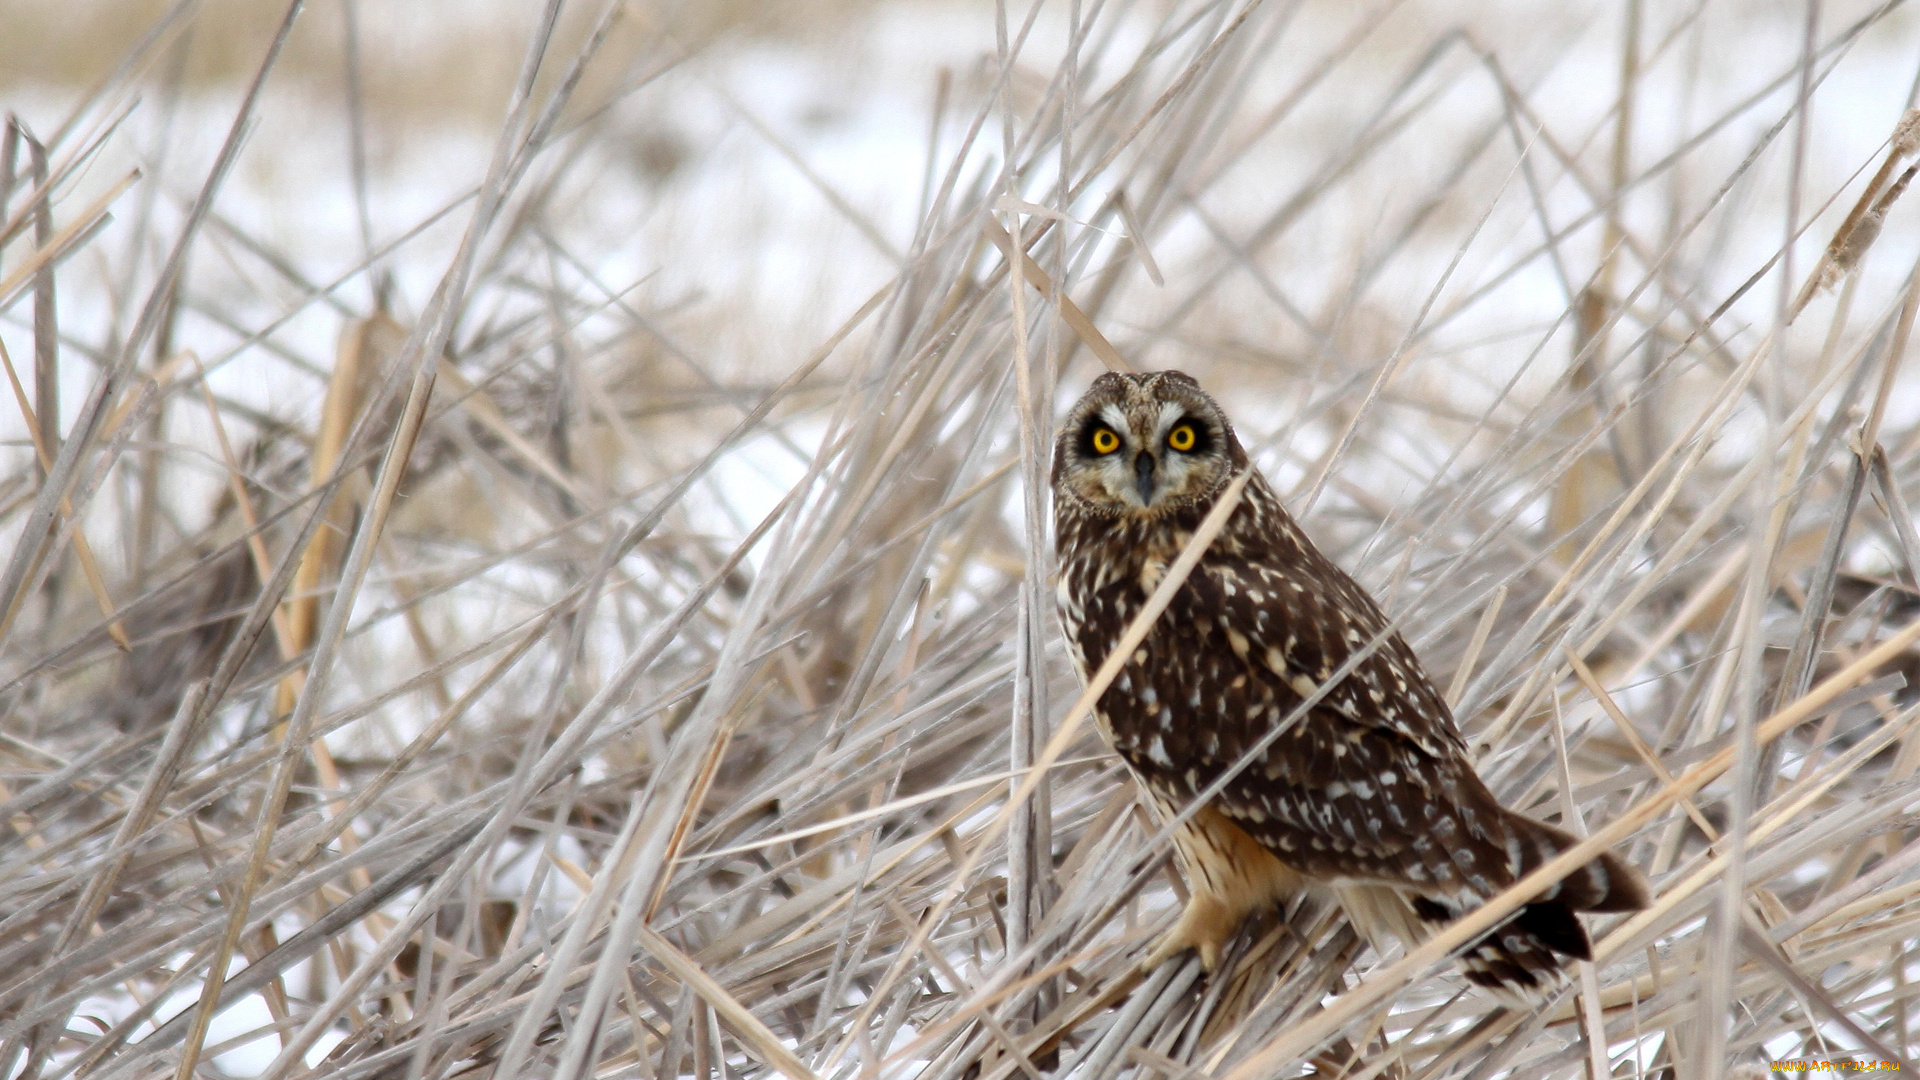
x: 89, y: 565
x: 1070, y: 312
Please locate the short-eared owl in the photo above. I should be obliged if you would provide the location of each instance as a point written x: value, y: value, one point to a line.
x: 1371, y: 795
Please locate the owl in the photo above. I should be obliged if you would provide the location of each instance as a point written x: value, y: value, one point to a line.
x: 1371, y: 795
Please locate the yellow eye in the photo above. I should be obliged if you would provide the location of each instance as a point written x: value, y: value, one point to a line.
x: 1105, y: 441
x: 1181, y: 438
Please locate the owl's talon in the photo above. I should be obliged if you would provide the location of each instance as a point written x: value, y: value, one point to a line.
x: 1204, y: 926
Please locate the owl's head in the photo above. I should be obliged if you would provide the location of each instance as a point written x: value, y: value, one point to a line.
x: 1144, y: 445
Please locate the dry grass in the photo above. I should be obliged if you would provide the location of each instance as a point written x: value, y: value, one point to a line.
x: 573, y: 675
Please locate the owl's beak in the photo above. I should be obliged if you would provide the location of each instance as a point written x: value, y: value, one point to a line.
x: 1143, y: 477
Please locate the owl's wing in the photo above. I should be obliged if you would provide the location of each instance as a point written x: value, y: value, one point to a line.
x: 1301, y: 620
x: 1371, y: 784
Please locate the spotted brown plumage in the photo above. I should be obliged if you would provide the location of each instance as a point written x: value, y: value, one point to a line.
x: 1370, y: 795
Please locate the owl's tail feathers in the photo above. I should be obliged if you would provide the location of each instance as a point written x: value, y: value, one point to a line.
x: 1605, y: 884
x: 1525, y: 958
x: 1528, y: 956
